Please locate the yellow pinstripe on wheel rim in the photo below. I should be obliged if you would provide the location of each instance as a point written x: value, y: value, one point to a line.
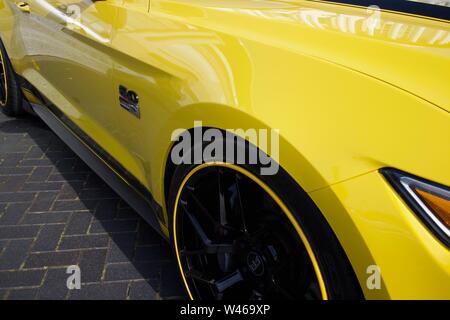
x: 3, y: 82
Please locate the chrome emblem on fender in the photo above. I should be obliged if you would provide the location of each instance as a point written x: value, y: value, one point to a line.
x: 129, y: 100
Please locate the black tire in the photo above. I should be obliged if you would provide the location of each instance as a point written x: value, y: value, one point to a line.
x: 10, y: 94
x: 338, y: 275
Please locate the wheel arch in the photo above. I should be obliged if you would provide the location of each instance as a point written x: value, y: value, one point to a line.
x: 303, y: 174
x: 223, y: 118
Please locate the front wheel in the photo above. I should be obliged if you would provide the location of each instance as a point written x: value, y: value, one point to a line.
x: 236, y: 237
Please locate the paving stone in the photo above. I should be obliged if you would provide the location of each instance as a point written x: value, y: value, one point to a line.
x: 15, y: 254
x: 104, y: 193
x: 54, y: 286
x: 16, y: 196
x: 35, y: 152
x: 122, y: 247
x: 92, y: 265
x: 12, y: 183
x: 70, y: 190
x: 11, y: 159
x: 42, y: 186
x: 57, y: 145
x: 120, y: 254
x: 35, y: 162
x: 3, y: 245
x: 131, y: 271
x: 43, y: 201
x: 3, y: 294
x: 11, y: 145
x: 106, y: 209
x: 124, y: 239
x: 84, y: 241
x: 46, y: 217
x: 80, y: 166
x: 101, y: 291
x: 13, y: 213
x: 22, y: 278
x: 111, y: 226
x: 66, y: 177
x: 22, y: 294
x: 79, y: 223
x: 15, y: 170
x: 16, y: 232
x: 142, y: 290
x: 65, y: 165
x: 95, y: 182
x: 52, y: 259
x: 65, y: 154
x: 74, y: 205
x: 152, y: 253
x: 48, y: 238
x: 40, y: 174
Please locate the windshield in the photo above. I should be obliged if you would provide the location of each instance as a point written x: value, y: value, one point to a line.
x: 439, y: 9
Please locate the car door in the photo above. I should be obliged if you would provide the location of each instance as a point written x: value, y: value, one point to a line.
x: 67, y: 56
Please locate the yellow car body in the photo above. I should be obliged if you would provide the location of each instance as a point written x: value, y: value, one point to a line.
x: 347, y: 96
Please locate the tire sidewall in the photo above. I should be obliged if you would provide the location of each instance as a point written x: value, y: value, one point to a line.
x: 13, y: 105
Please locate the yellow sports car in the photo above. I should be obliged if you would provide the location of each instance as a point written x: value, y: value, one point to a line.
x: 288, y: 149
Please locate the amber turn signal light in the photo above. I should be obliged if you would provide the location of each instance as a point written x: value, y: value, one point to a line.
x: 440, y: 206
x: 430, y: 201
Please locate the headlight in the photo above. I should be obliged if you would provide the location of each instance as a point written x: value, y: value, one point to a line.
x: 430, y: 201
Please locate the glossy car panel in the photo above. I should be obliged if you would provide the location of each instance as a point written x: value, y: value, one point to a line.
x: 413, y: 263
x: 348, y: 96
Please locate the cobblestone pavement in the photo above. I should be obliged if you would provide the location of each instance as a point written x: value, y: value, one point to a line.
x: 55, y: 212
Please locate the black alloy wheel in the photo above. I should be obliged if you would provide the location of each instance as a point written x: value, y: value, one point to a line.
x: 236, y: 240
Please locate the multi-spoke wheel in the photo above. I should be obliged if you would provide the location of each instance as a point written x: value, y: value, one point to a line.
x: 240, y: 235
x: 236, y: 239
x: 10, y: 95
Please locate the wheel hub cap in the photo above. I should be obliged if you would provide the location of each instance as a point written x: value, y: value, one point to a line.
x: 255, y: 263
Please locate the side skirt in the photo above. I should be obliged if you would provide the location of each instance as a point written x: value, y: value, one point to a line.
x: 147, y: 208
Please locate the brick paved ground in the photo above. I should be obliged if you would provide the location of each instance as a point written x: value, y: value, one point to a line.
x: 55, y: 212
